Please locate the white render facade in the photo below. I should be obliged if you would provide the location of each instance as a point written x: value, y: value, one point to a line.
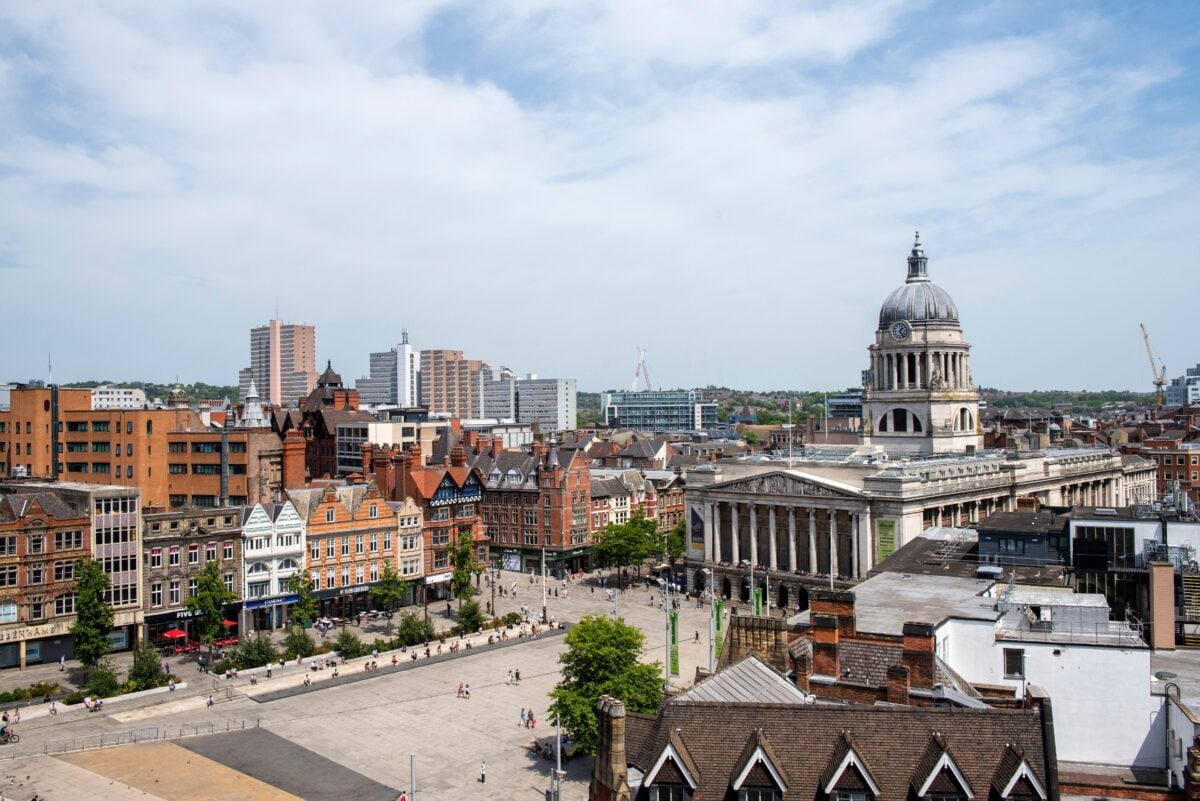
x: 273, y: 550
x: 108, y: 397
x: 549, y: 402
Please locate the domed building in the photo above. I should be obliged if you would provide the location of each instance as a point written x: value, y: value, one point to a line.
x: 918, y: 396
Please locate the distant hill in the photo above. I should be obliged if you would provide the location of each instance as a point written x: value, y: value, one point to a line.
x: 194, y: 392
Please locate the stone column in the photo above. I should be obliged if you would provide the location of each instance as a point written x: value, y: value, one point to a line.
x: 711, y: 543
x: 812, y: 541
x: 716, y: 515
x: 903, y: 371
x: 792, y: 538
x: 854, y: 524
x: 833, y: 551
x: 866, y: 545
x: 753, y: 535
x: 733, y: 525
x: 771, y: 548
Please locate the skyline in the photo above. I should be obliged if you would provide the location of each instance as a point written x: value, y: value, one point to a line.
x: 551, y: 187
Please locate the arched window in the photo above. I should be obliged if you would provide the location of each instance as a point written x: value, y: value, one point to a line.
x: 884, y: 421
x: 259, y: 567
x: 289, y: 564
x: 916, y: 424
x: 900, y: 419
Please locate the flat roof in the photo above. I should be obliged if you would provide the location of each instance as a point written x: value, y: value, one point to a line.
x: 884, y: 603
x: 1037, y: 598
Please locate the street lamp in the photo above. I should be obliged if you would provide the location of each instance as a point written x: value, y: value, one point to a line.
x: 709, y: 579
x: 545, y: 619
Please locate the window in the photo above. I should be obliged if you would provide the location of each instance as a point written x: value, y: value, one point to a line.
x: 374, y: 571
x: 37, y: 544
x: 373, y: 511
x: 173, y: 556
x: 374, y: 543
x: 8, y: 576
x: 410, y: 567
x: 229, y: 582
x: 206, y: 469
x: 174, y: 593
x: 176, y: 447
x: 468, y: 509
x: 37, y: 574
x: 155, y: 557
x: 441, y: 560
x: 360, y: 573
x: 193, y: 554
x: 851, y: 795
x: 358, y: 544
x: 409, y: 542
x: 345, y: 546
x: 210, y: 552
x: 258, y: 589
x: 345, y: 576
x: 670, y: 792
x: 330, y: 548
x: 64, y: 571
x: 314, y: 551
x: 227, y: 550
x: 177, y: 500
x: 329, y: 515
x: 387, y: 540
x: 1014, y: 663
x: 205, y: 447
x: 65, y: 604
x: 191, y: 588
x: 177, y: 469
x: 37, y: 610
x: 156, y: 594
x: 8, y: 546
x: 329, y: 580
x: 439, y: 514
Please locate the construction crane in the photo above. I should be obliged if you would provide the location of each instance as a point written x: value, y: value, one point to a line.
x: 641, y: 370
x: 1160, y: 375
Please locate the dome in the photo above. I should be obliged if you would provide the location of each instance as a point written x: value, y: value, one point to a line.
x: 919, y: 300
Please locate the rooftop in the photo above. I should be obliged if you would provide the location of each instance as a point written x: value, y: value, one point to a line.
x: 884, y: 603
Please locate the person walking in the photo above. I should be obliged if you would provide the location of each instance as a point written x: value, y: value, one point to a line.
x: 517, y: 676
x: 62, y: 663
x: 510, y: 678
x: 467, y: 691
x: 483, y: 773
x: 522, y: 723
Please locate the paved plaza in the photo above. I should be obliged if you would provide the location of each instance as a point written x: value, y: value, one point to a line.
x: 359, y: 731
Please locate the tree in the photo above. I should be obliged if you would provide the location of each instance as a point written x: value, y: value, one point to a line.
x: 208, y: 605
x: 102, y: 678
x: 298, y: 642
x: 304, y: 609
x: 93, y: 615
x: 389, y: 591
x: 348, y: 645
x: 677, y: 541
x: 625, y: 544
x: 147, y: 671
x: 602, y: 659
x: 256, y: 651
x: 462, y: 558
x: 470, y: 617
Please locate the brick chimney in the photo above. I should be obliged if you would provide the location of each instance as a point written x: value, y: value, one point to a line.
x: 838, y: 604
x: 610, y: 772
x: 825, y: 645
x: 918, y: 657
x: 897, y: 684
x: 458, y: 457
x: 293, y: 460
x: 1162, y: 606
x: 497, y: 445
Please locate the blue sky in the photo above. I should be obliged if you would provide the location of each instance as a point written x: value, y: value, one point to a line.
x: 547, y: 185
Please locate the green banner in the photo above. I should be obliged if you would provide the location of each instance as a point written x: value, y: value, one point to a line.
x: 885, y: 539
x: 758, y: 601
x: 674, y: 643
x: 718, y: 610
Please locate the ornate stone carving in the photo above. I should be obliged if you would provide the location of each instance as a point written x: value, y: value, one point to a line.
x: 780, y: 484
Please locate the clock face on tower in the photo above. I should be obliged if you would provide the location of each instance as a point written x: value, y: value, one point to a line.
x: 900, y: 331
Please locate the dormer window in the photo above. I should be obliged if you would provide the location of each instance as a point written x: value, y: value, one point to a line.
x: 328, y: 515
x: 670, y: 792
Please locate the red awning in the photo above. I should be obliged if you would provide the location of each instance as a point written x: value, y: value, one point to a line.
x: 174, y: 634
x: 228, y: 623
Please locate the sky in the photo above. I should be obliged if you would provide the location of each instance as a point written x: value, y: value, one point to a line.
x: 549, y: 185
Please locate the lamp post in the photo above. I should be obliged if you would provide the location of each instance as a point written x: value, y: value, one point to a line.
x: 712, y: 629
x: 545, y: 619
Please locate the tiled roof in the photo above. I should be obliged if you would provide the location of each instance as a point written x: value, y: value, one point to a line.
x: 17, y: 505
x: 809, y: 742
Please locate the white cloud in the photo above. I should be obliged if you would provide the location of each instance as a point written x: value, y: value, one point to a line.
x: 731, y: 185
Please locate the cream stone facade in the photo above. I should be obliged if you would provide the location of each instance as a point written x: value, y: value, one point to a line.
x: 826, y: 517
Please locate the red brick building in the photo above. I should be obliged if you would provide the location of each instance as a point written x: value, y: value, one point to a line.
x: 1177, y: 460
x: 448, y: 493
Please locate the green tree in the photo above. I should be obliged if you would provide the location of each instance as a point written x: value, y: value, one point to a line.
x: 146, y: 672
x: 470, y: 617
x: 625, y: 544
x: 677, y: 541
x: 389, y: 591
x: 298, y: 642
x: 102, y: 678
x: 93, y: 615
x: 348, y: 645
x: 256, y: 651
x: 208, y: 605
x: 462, y: 558
x: 304, y: 610
x: 602, y: 659
x: 413, y: 629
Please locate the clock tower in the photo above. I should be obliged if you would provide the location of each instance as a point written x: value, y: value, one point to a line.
x: 918, y: 396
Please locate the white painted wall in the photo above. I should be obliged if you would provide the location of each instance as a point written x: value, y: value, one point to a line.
x: 1103, y: 710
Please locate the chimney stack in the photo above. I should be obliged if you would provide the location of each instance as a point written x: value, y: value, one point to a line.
x: 897, y: 684
x: 918, y: 655
x: 825, y: 645
x: 293, y: 460
x: 610, y: 772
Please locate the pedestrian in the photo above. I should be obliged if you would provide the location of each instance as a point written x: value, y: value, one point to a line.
x: 697, y: 635
x: 167, y: 667
x: 522, y: 723
x: 254, y: 679
x: 53, y: 708
x: 467, y: 691
x: 270, y: 667
x: 210, y: 702
x: 460, y: 690
x: 593, y: 590
x: 483, y: 773
x: 393, y: 660
x: 532, y: 720
x: 307, y: 680
x: 517, y: 675
x: 62, y: 663
x: 374, y: 653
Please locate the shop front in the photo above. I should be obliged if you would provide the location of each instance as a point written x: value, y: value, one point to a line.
x: 344, y: 602
x: 267, y: 614
x: 558, y: 562
x: 437, y: 587
x: 183, y: 620
x: 29, y: 645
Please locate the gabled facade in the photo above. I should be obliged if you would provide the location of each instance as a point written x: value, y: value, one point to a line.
x: 273, y: 550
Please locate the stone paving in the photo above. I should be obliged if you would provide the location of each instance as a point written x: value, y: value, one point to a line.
x: 371, y: 726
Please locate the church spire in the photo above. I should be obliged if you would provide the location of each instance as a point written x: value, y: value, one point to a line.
x: 917, y: 261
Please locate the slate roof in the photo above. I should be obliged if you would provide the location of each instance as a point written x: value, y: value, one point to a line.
x: 607, y: 488
x: 750, y: 680
x: 808, y: 741
x: 14, y: 506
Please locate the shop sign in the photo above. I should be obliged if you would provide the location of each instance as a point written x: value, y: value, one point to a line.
x: 353, y: 590
x: 33, y: 632
x: 262, y: 603
x: 438, y: 579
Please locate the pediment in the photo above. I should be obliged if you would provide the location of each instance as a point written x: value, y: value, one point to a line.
x: 787, y: 483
